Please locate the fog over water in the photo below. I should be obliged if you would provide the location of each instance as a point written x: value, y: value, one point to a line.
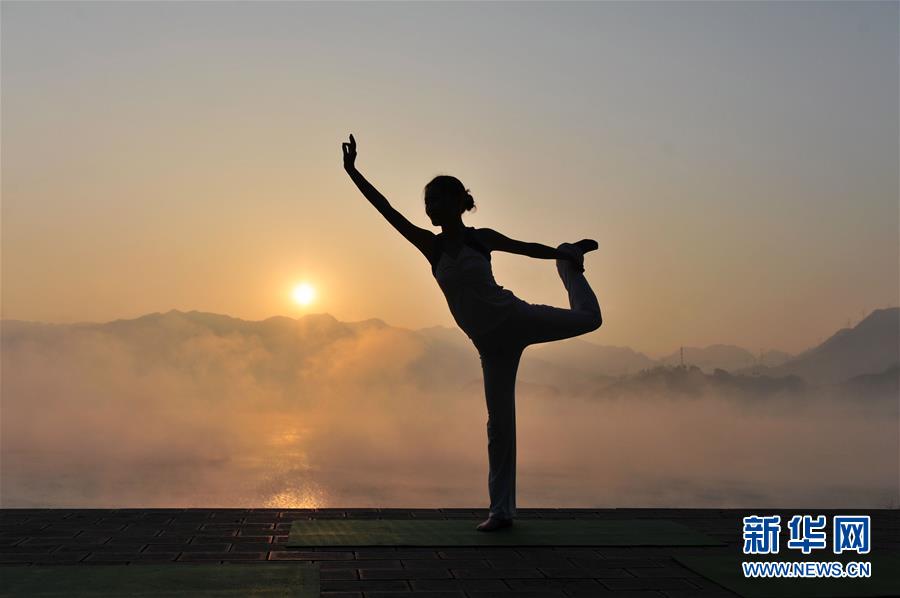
x: 176, y: 411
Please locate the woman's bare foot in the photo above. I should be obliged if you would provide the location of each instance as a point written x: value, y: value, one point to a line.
x: 492, y: 523
x: 586, y: 245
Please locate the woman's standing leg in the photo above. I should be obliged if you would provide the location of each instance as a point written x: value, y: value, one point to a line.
x: 499, y: 365
x: 539, y: 323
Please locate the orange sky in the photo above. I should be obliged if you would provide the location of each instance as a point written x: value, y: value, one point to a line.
x: 737, y: 162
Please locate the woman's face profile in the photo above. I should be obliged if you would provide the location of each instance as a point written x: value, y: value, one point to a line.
x: 439, y: 209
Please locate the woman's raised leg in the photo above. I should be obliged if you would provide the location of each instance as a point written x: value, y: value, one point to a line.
x: 539, y: 323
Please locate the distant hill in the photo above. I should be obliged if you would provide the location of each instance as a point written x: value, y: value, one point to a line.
x: 573, y: 368
x: 774, y: 358
x: 726, y: 357
x: 453, y: 336
x: 606, y: 360
x: 445, y: 357
x: 870, y: 347
x: 574, y: 353
x: 611, y: 360
x: 881, y: 386
x: 675, y: 382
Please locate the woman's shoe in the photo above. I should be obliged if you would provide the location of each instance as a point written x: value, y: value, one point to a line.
x: 492, y: 523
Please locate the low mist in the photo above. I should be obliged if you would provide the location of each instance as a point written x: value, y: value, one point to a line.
x: 174, y: 411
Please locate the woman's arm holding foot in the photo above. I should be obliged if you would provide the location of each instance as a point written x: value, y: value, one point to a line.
x: 498, y: 242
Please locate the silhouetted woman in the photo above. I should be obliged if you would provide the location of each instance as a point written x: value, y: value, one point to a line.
x: 499, y: 324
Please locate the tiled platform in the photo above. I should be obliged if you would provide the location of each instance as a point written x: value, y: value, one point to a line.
x: 84, y: 537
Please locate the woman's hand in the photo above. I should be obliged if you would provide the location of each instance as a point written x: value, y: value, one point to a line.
x: 349, y: 154
x: 574, y: 256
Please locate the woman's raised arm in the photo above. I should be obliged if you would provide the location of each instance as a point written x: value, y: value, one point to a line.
x: 422, y: 238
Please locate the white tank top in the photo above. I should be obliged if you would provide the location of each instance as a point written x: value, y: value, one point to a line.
x: 477, y: 302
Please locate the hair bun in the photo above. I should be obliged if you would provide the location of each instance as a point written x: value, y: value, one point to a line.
x: 471, y: 201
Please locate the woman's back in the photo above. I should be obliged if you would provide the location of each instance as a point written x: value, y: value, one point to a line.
x: 476, y: 301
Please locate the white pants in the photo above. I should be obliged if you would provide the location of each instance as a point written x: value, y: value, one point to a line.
x: 500, y: 351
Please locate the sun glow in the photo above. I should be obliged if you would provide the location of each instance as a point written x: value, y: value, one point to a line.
x: 304, y: 293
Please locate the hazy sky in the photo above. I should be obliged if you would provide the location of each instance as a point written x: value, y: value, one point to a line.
x: 736, y: 161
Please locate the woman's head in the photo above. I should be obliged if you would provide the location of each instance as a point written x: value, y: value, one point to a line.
x: 446, y: 198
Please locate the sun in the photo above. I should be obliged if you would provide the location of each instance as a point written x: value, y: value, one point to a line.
x: 304, y: 293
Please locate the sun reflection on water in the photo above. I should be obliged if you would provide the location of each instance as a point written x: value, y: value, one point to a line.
x: 297, y: 498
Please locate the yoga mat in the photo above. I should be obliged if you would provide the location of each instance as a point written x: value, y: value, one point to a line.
x: 726, y: 570
x: 524, y: 532
x: 300, y: 580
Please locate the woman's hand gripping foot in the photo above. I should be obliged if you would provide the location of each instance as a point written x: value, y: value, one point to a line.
x: 575, y: 251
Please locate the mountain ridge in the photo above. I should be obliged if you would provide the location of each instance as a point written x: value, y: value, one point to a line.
x: 870, y: 347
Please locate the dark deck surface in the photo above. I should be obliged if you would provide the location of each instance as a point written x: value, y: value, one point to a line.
x: 134, y: 536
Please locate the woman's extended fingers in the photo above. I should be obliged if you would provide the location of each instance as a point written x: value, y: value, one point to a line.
x: 349, y: 147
